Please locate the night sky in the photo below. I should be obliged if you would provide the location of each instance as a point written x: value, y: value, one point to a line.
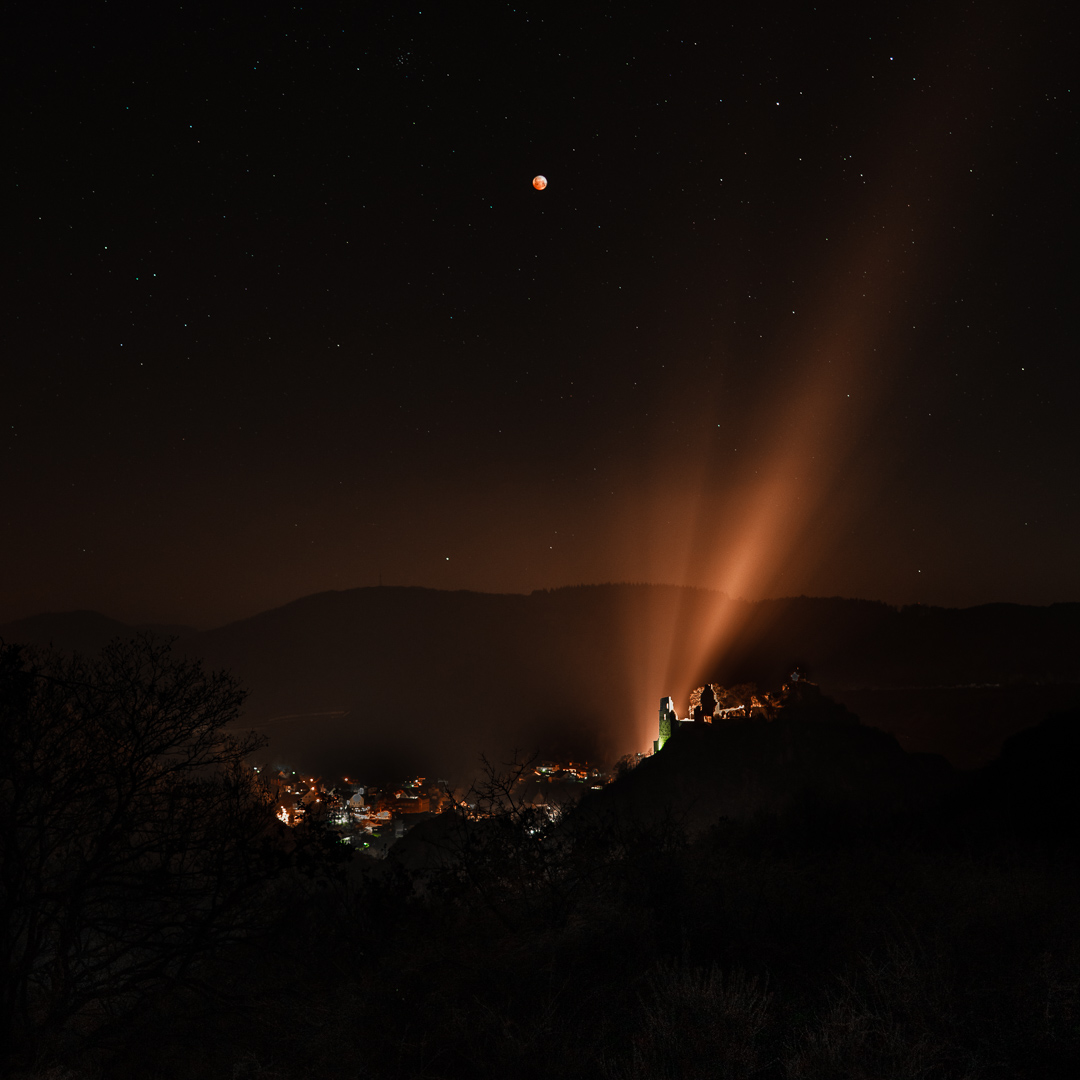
x: 283, y: 312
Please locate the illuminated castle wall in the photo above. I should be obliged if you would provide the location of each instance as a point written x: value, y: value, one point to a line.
x: 669, y: 721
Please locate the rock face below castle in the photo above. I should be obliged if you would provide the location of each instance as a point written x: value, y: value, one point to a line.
x: 810, y: 754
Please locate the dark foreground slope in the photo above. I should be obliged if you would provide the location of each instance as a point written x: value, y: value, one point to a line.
x: 796, y: 899
x: 871, y: 931
x: 399, y: 679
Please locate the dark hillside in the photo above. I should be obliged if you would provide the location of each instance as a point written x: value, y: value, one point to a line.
x: 744, y: 769
x: 1029, y: 791
x: 409, y: 679
x: 79, y: 631
x: 575, y: 672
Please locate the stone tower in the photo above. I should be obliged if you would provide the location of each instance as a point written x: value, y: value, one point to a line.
x: 668, y: 723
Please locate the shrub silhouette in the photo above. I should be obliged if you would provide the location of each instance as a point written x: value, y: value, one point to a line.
x: 698, y: 1023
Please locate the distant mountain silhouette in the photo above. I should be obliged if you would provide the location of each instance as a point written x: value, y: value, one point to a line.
x: 401, y: 680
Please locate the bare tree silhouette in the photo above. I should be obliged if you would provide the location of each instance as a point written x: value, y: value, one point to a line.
x: 132, y: 837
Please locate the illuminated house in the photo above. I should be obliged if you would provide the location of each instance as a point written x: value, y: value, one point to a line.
x: 669, y: 721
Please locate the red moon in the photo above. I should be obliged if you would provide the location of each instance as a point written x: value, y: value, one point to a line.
x: 539, y: 182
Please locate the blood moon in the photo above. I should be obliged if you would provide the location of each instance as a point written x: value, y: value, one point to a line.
x: 539, y: 182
